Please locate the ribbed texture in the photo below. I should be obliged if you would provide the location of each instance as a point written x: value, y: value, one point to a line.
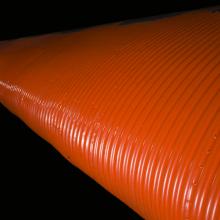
x: 134, y: 106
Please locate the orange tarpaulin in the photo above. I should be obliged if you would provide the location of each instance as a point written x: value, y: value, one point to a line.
x: 135, y: 105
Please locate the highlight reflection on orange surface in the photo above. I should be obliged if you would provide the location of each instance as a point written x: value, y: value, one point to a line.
x: 133, y: 105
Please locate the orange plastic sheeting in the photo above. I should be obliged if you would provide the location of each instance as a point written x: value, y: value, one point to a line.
x: 133, y: 105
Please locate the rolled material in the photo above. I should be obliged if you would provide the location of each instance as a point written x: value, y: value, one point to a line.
x: 135, y: 105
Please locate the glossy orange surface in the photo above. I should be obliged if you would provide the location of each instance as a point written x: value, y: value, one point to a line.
x: 135, y: 106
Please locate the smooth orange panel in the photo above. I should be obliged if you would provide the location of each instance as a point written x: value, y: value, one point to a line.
x: 134, y: 105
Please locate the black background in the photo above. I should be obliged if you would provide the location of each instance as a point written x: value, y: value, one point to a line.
x: 36, y: 180
x: 19, y: 19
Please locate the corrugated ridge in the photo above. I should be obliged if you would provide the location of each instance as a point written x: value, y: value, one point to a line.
x: 144, y: 122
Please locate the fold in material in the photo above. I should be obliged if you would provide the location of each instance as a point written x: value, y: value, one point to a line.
x: 134, y: 105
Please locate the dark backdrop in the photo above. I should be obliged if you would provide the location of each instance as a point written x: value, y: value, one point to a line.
x: 18, y: 19
x: 36, y: 181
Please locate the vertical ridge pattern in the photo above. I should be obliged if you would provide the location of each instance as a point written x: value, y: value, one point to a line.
x: 135, y: 106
